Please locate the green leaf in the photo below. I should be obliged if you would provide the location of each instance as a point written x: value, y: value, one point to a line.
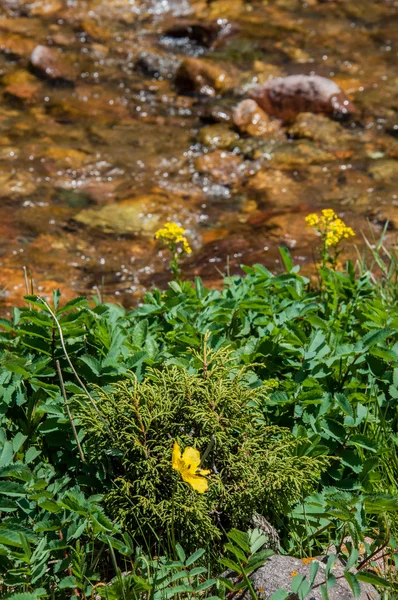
x: 206, y: 585
x: 240, y: 538
x: 287, y: 259
x: 194, y: 557
x: 140, y: 333
x: 363, y: 442
x: 379, y: 503
x: 353, y: 583
x: 314, y: 566
x: 344, y: 404
x: 9, y: 488
x: 236, y: 551
x: 279, y: 595
x: 180, y: 552
x: 230, y: 564
x: 21, y: 596
x: 7, y: 454
x: 67, y: 582
x: 367, y: 577
x: 31, y: 454
x: 49, y: 505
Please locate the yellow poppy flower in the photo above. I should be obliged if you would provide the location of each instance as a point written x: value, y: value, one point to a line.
x: 187, y: 464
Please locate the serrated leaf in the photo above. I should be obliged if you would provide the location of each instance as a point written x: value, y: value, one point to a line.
x: 367, y: 577
x: 9, y: 488
x: 344, y: 404
x: 140, y: 333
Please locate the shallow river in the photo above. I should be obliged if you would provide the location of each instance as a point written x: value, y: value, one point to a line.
x: 101, y: 142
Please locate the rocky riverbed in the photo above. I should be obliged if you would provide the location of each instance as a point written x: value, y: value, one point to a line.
x: 117, y: 115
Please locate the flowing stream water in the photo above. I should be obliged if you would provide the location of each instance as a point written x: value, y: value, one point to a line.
x: 100, y: 143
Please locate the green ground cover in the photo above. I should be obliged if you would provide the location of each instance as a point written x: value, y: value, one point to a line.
x: 287, y: 390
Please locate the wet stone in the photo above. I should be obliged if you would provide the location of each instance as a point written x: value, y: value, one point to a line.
x: 320, y: 129
x: 385, y: 171
x: 225, y: 168
x: 50, y: 64
x: 16, y: 45
x: 66, y: 157
x: 249, y: 118
x: 160, y: 66
x: 285, y: 97
x: 141, y: 215
x: 94, y: 32
x: 45, y: 8
x: 274, y: 187
x: 16, y: 184
x: 202, y: 76
x: 204, y: 33
x: 299, y: 154
x: 21, y: 85
x: 217, y: 136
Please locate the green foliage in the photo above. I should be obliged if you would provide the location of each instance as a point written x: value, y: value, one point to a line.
x: 313, y: 374
x: 216, y: 409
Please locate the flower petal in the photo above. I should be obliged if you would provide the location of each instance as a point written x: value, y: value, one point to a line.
x: 176, y: 457
x: 203, y: 472
x: 199, y: 484
x: 191, y: 458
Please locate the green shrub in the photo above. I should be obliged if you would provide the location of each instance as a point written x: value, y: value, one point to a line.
x: 254, y: 466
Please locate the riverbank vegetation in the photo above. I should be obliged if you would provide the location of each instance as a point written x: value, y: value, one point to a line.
x: 149, y: 453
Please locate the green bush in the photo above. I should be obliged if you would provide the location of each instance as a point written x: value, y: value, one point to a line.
x: 255, y: 466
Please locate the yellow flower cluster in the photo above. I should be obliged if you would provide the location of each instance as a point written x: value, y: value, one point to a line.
x: 187, y: 464
x: 330, y: 226
x: 172, y: 233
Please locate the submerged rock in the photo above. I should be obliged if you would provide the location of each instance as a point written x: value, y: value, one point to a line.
x: 302, y: 153
x: 141, y: 215
x: 320, y: 129
x: 285, y: 97
x: 224, y: 167
x: 21, y: 85
x: 50, y: 64
x: 16, y: 45
x: 385, y: 171
x: 204, y: 33
x: 249, y: 118
x: 217, y: 136
x: 202, y: 76
x: 274, y: 187
x: 160, y: 66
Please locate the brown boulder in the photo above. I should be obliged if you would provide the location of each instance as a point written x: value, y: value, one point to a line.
x: 249, y: 118
x: 202, y: 76
x: 50, y: 64
x: 285, y: 97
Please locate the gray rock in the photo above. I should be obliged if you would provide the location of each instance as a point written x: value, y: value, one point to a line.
x: 278, y: 572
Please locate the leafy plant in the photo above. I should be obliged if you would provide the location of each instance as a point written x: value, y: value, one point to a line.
x: 217, y: 408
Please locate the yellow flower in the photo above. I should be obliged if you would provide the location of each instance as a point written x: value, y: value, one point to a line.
x: 171, y: 233
x: 331, y: 228
x: 188, y: 465
x: 328, y: 215
x: 312, y: 220
x: 294, y: 573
